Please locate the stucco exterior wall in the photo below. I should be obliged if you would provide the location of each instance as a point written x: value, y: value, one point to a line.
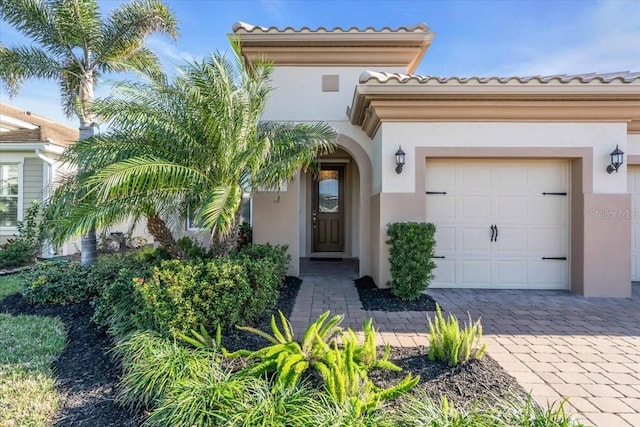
x: 602, y: 137
x: 297, y: 93
x: 275, y: 220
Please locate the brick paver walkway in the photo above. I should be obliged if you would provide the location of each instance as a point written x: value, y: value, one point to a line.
x: 556, y: 344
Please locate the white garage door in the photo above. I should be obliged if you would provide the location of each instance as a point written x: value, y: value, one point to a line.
x: 501, y: 224
x: 633, y: 186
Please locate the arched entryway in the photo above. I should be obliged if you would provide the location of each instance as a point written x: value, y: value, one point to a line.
x: 334, y: 207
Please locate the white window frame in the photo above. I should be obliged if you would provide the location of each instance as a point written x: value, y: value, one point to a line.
x: 8, y: 159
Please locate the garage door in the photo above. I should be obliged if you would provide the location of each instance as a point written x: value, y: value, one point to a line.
x: 501, y: 224
x: 633, y: 186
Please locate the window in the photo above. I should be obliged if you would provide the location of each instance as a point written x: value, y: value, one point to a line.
x: 9, y: 195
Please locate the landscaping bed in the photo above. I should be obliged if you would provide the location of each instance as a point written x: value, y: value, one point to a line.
x: 87, y: 375
x: 376, y: 299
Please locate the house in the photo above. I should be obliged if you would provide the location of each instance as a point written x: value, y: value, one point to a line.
x: 30, y: 147
x: 515, y: 172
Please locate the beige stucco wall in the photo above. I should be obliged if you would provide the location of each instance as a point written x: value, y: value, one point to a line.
x: 275, y: 220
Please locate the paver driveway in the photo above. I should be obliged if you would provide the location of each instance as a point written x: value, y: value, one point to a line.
x: 556, y: 344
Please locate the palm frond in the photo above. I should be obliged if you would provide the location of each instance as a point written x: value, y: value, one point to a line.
x: 142, y: 60
x: 20, y: 63
x: 78, y: 21
x: 36, y: 20
x: 218, y: 211
x: 144, y: 175
x: 126, y: 28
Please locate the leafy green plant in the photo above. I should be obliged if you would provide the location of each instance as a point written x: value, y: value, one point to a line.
x: 212, y: 397
x: 345, y: 375
x: 118, y: 305
x: 152, y: 366
x: 519, y: 411
x: 194, y: 249
x: 452, y: 344
x: 24, y: 248
x: 411, y: 252
x: 57, y: 282
x: 288, y: 358
x: 419, y: 410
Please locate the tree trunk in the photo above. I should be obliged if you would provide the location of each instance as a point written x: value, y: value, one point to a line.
x: 88, y: 243
x: 222, y: 245
x: 159, y: 230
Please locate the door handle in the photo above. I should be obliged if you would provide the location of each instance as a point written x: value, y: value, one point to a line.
x: 495, y: 239
x: 313, y: 218
x: 493, y: 231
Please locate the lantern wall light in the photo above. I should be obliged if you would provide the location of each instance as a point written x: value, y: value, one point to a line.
x: 399, y: 159
x: 617, y: 159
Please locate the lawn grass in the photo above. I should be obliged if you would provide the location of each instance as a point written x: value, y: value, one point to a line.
x: 9, y: 285
x: 28, y: 346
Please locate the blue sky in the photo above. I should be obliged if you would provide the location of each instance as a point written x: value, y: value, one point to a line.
x: 481, y: 38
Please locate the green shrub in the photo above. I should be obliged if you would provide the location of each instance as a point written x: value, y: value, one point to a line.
x: 182, y: 295
x: 411, y: 252
x: 57, y: 282
x: 179, y: 296
x: 27, y: 244
x: 452, y: 344
x: 193, y: 249
x: 119, y: 303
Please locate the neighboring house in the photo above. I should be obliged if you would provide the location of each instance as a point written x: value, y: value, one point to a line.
x: 30, y: 146
x: 513, y: 171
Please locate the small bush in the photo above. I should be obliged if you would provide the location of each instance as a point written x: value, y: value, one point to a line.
x: 452, y: 344
x: 57, y: 282
x: 28, y: 243
x: 193, y: 249
x: 153, y: 365
x: 119, y: 302
x: 411, y: 258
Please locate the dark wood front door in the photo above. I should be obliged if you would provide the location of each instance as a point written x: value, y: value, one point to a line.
x: 327, y: 212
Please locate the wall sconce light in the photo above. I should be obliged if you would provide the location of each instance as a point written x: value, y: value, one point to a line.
x: 399, y: 159
x: 617, y: 159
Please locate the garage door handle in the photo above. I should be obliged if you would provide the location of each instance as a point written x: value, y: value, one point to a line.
x: 493, y: 232
x: 495, y: 239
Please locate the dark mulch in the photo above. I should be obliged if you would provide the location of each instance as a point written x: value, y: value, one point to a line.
x: 478, y: 380
x: 87, y: 376
x: 376, y: 299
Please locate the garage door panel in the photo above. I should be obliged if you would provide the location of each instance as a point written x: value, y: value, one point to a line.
x: 548, y: 176
x: 441, y: 210
x: 548, y: 210
x: 548, y: 241
x: 445, y: 239
x: 509, y: 177
x: 510, y: 208
x: 475, y: 272
x: 475, y: 208
x: 511, y: 273
x: 474, y: 239
x: 511, y: 240
x: 551, y: 274
x: 445, y: 273
x: 474, y: 177
x: 440, y: 176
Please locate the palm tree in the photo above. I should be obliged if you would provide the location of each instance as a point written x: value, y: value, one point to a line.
x: 192, y: 145
x: 74, y: 45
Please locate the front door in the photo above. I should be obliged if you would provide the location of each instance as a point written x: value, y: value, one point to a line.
x: 327, y: 211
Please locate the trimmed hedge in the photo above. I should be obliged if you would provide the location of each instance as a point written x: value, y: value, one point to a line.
x: 411, y: 258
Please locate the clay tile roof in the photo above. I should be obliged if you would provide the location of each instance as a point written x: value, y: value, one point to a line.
x: 34, y: 128
x: 243, y: 27
x: 624, y: 77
